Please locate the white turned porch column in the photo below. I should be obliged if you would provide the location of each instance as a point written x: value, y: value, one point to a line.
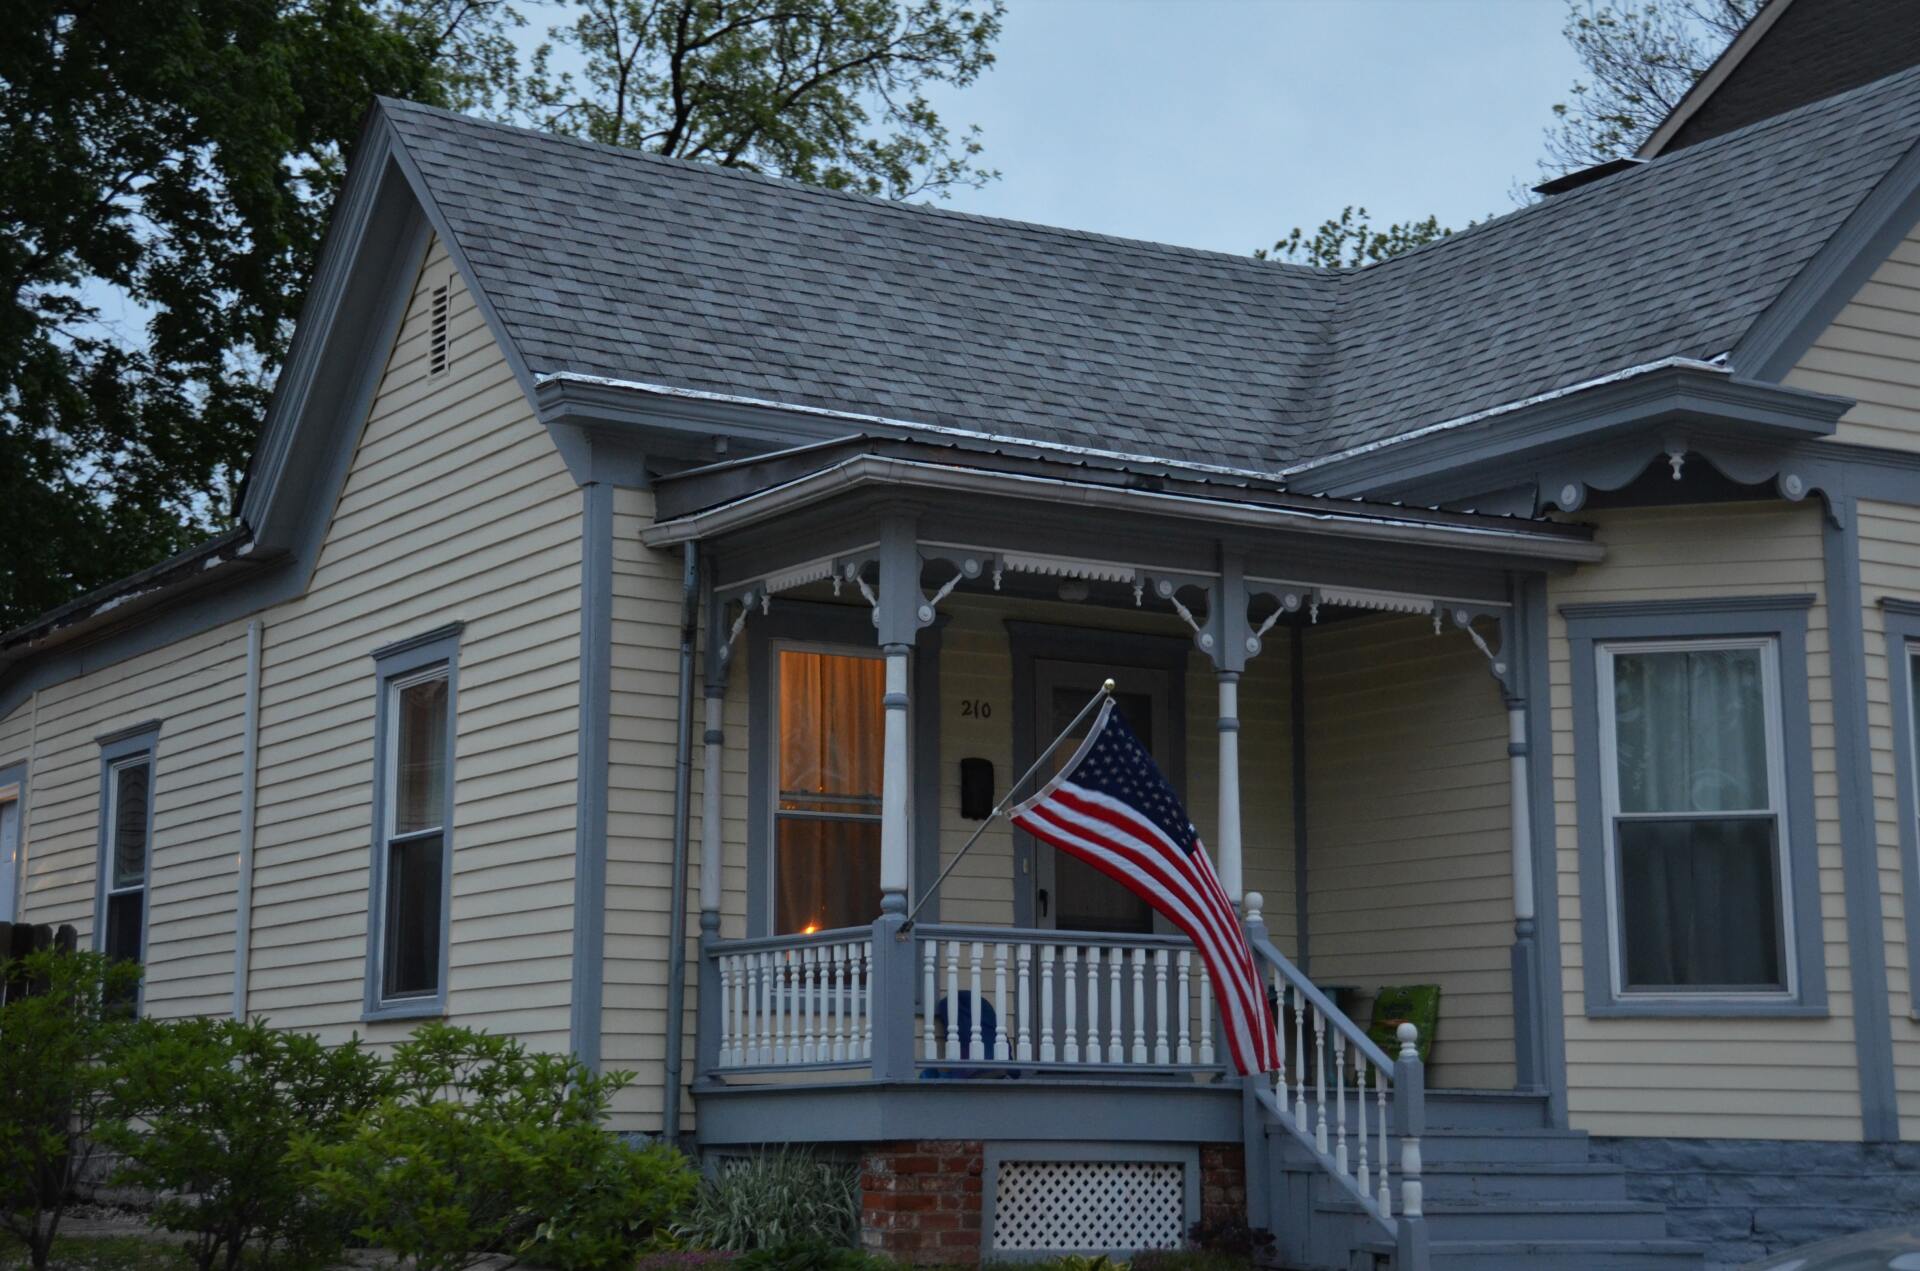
x: 1520, y: 804
x: 710, y: 856
x: 1228, y: 849
x: 895, y: 776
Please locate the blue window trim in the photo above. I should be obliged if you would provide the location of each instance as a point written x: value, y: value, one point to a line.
x: 117, y: 747
x: 403, y: 658
x: 1902, y: 621
x: 1782, y: 619
x: 828, y: 624
x: 15, y: 775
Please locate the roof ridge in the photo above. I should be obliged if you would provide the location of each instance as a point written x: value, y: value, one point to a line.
x: 715, y: 171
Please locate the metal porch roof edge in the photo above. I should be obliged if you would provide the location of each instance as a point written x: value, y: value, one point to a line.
x: 1532, y: 540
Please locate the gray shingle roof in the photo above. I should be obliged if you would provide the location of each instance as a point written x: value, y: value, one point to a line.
x: 606, y: 262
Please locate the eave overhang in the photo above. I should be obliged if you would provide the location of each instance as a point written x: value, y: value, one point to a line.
x: 1692, y: 399
x: 729, y: 499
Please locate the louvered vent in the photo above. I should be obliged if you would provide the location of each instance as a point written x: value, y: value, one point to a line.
x: 437, y: 345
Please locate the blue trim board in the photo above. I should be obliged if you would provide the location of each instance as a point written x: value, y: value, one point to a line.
x: 588, y: 997
x: 1537, y: 678
x: 1859, y: 834
x: 1784, y: 618
x: 440, y: 646
x: 1902, y: 622
x: 850, y: 625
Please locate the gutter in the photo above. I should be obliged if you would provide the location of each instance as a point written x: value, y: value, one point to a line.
x: 876, y: 470
x: 682, y: 801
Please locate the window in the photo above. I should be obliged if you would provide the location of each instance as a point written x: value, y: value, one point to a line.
x: 413, y: 812
x: 1693, y: 782
x: 826, y: 834
x: 1692, y: 775
x: 13, y: 784
x: 126, y: 841
x: 1901, y: 619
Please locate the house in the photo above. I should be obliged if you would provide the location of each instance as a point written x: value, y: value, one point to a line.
x: 650, y: 574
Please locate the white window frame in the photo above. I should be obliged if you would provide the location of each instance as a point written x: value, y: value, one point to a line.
x: 1768, y: 647
x: 420, y: 660
x: 13, y: 802
x: 775, y: 648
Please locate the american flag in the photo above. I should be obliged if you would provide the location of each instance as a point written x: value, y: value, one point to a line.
x: 1111, y: 807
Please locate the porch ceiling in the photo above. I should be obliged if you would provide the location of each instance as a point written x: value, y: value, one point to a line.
x: 1049, y: 501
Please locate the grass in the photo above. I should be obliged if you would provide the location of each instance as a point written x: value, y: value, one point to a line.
x: 100, y: 1253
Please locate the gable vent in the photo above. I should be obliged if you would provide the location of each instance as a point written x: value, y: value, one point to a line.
x: 437, y: 343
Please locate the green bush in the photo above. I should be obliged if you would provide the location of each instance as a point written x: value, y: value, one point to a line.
x: 482, y: 1148
x: 811, y: 1255
x: 59, y: 1051
x: 775, y: 1199
x: 219, y: 1105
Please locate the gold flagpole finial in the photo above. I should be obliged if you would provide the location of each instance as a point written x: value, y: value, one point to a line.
x: 1107, y: 687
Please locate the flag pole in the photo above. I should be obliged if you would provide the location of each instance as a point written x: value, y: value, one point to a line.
x: 1106, y: 691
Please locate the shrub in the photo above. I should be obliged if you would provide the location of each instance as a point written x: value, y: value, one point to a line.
x: 220, y: 1104
x: 773, y: 1199
x: 59, y: 1048
x: 482, y: 1147
x: 811, y: 1255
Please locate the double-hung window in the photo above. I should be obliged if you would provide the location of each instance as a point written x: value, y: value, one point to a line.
x: 1696, y: 836
x: 126, y: 842
x: 826, y: 816
x: 413, y: 813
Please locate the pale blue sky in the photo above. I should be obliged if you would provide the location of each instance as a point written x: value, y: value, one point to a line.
x: 1223, y: 123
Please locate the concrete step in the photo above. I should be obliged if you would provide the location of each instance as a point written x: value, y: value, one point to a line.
x: 1554, y: 1255
x: 1447, y: 1181
x: 1516, y: 1146
x: 1463, y: 1109
x: 1537, y: 1220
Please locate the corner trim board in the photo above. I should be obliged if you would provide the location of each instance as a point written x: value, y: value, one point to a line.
x: 587, y: 1000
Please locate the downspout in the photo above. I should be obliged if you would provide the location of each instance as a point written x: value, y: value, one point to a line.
x: 682, y: 800
x: 249, y: 799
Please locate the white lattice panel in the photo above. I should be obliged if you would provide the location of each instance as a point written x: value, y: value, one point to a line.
x: 1093, y: 1205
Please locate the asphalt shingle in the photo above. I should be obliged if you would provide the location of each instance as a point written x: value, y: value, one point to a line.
x: 608, y: 262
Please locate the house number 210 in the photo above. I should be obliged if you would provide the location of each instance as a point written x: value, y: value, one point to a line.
x: 976, y: 708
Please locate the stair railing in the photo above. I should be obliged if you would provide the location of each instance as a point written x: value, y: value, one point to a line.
x: 1328, y: 1066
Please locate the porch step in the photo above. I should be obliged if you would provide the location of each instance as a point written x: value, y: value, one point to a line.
x: 1449, y: 1181
x: 1507, y: 1220
x: 1476, y: 1109
x: 1551, y: 1255
x: 1449, y: 1145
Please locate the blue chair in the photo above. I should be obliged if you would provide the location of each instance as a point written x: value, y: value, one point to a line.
x: 989, y: 1033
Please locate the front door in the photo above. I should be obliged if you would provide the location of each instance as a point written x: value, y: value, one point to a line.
x: 1069, y: 894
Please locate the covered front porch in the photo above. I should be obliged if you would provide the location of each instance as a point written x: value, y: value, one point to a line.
x: 1339, y: 692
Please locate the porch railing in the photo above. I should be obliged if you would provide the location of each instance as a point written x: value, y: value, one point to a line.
x: 794, y: 1001
x: 1345, y: 1100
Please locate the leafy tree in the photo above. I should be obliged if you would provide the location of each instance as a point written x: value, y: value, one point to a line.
x: 166, y: 170
x: 1640, y: 61
x: 60, y: 1045
x: 209, y: 1112
x: 1350, y: 239
x: 830, y: 92
x: 484, y: 1147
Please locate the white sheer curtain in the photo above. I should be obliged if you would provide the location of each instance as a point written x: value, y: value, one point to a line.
x: 1696, y: 827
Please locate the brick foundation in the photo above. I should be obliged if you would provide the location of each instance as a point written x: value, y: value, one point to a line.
x: 1223, y: 1183
x: 920, y: 1200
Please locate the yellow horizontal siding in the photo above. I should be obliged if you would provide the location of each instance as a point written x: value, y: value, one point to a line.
x: 1871, y: 353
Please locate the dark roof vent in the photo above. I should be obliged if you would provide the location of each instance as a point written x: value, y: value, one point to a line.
x: 1585, y: 176
x: 437, y: 340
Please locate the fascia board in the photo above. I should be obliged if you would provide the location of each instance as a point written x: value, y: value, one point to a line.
x: 1674, y: 395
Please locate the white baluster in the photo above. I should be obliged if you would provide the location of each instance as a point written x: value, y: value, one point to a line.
x: 1183, y: 1053
x: 1046, y: 1004
x: 1380, y: 1106
x: 974, y: 1030
x: 1340, y: 1100
x: 1070, y: 1023
x: 1206, y: 1018
x: 1162, y: 1055
x: 1300, y: 1061
x: 1139, y: 960
x: 1319, y: 1079
x: 1360, y: 1070
x: 809, y: 968
x: 953, y: 999
x: 1096, y: 1053
x: 1276, y: 993
x: 769, y: 994
x: 930, y: 1047
x: 1411, y: 1202
x: 723, y: 967
x: 836, y: 1003
x: 1024, y: 952
x: 1116, y: 971
x: 751, y: 991
x: 1001, y: 1050
x: 866, y: 998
